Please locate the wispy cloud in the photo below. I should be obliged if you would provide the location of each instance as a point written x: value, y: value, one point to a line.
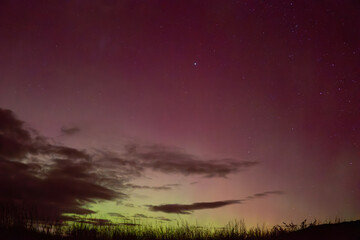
x: 263, y: 194
x: 189, y: 208
x: 173, y: 160
x: 69, y: 131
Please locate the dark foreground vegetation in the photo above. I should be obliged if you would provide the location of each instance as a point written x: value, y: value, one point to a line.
x: 23, y: 227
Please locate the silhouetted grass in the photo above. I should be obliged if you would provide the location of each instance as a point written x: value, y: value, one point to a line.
x: 19, y: 224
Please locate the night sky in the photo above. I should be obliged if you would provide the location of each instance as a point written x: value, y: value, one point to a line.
x: 206, y: 111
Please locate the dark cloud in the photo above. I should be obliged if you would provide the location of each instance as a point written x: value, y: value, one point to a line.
x: 189, y: 208
x: 52, y: 195
x: 53, y: 179
x: 15, y: 142
x: 69, y: 131
x: 264, y: 194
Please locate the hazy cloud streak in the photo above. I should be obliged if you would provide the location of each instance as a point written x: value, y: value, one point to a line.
x: 189, y: 208
x: 172, y: 160
x: 69, y: 131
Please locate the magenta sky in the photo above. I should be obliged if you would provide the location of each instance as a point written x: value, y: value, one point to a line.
x: 271, y: 82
